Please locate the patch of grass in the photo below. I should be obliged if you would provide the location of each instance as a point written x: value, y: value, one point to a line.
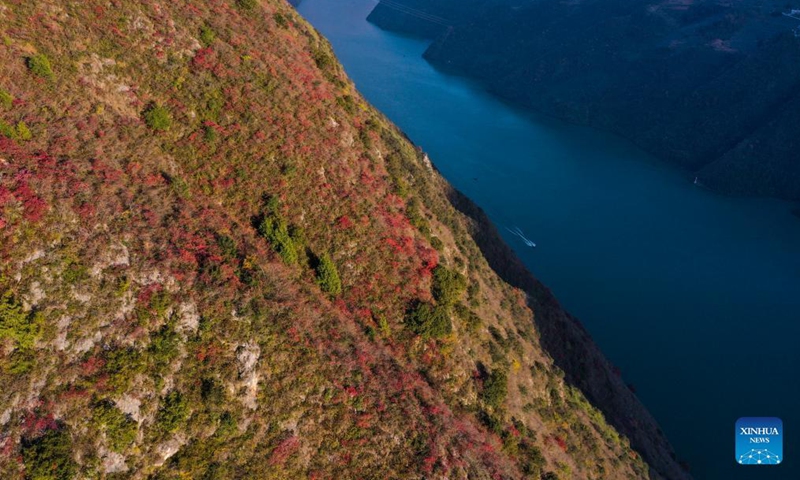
x: 7, y: 130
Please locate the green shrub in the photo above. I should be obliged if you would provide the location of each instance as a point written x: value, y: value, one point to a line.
x: 328, y: 276
x: 174, y: 410
x: 228, y: 246
x: 430, y: 321
x: 49, y: 457
x: 40, y: 66
x: 22, y: 327
x: 179, y: 186
x: 157, y: 117
x: 471, y: 319
x: 276, y: 231
x: 207, y: 35
x: 23, y: 132
x: 74, y: 272
x: 281, y: 20
x: 212, y: 392
x: 323, y: 59
x: 7, y: 130
x: 6, y: 100
x: 21, y: 361
x: 347, y: 103
x: 247, y: 4
x: 164, y: 345
x: 122, y: 366
x: 495, y: 388
x: 120, y: 428
x: 447, y: 285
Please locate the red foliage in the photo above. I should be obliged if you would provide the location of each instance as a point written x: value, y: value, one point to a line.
x: 33, y: 205
x: 561, y: 443
x: 92, y: 365
x: 284, y: 450
x: 344, y: 222
x: 35, y: 425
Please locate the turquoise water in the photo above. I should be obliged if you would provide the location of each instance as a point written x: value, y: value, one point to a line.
x: 695, y: 296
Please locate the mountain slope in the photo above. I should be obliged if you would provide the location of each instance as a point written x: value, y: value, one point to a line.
x: 707, y: 85
x: 219, y: 262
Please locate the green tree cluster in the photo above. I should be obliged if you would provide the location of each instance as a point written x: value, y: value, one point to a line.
x: 287, y: 242
x: 174, y: 410
x: 447, y: 285
x: 49, y: 457
x: 328, y: 276
x: 430, y: 321
x: 495, y: 388
x: 20, y: 326
x: 120, y: 428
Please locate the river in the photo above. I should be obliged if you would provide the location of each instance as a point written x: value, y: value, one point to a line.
x: 695, y: 296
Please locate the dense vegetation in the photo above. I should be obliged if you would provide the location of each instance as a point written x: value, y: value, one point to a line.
x: 217, y: 261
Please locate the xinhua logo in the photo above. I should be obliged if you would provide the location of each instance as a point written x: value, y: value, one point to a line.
x: 759, y: 441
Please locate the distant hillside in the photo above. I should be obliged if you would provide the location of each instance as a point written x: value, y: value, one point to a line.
x: 712, y: 86
x: 217, y: 262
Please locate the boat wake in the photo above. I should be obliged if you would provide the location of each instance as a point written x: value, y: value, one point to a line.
x: 516, y: 231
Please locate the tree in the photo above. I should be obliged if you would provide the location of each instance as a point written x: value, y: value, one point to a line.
x: 6, y: 100
x: 174, y: 410
x: 49, y: 457
x: 430, y: 321
x: 207, y: 35
x: 120, y: 428
x: 328, y: 276
x: 276, y: 231
x: 447, y: 285
x: 22, y: 327
x: 247, y: 4
x: 40, y: 66
x: 157, y: 117
x: 23, y: 132
x: 495, y: 388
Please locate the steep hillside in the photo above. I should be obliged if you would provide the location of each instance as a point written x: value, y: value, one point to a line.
x: 709, y: 85
x: 217, y: 261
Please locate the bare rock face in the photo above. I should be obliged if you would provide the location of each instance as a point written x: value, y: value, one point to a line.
x: 113, y: 462
x: 189, y: 318
x: 248, y: 356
